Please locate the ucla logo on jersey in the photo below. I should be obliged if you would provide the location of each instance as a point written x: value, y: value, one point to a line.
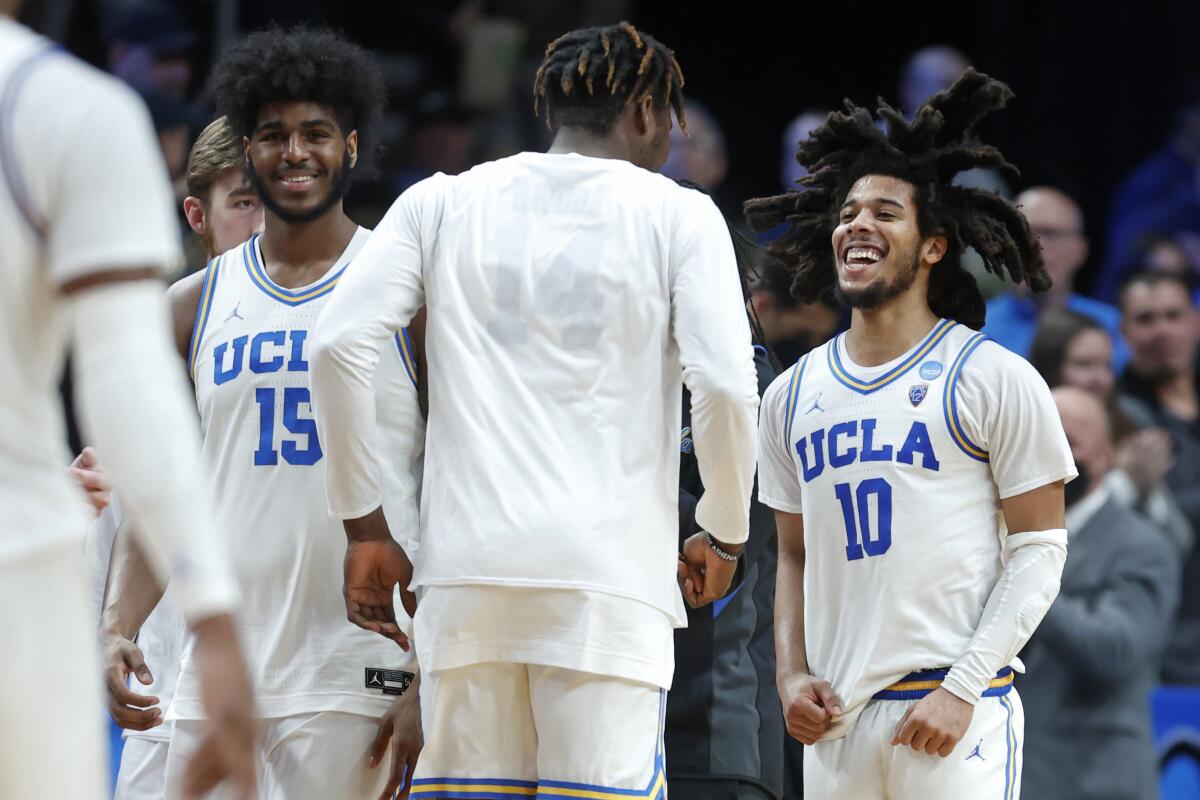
x: 269, y: 351
x: 854, y: 441
x: 930, y: 370
x: 917, y: 393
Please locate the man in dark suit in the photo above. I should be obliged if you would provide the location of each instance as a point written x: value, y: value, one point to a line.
x: 1096, y: 656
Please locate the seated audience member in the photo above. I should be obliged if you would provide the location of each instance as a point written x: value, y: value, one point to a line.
x: 1058, y: 222
x: 1094, y: 660
x: 1161, y: 196
x: 1159, y: 388
x: 791, y: 328
x: 1071, y: 349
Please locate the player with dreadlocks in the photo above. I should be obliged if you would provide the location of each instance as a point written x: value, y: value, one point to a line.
x: 569, y: 292
x: 916, y: 468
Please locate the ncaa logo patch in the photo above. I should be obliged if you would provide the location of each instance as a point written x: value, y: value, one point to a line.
x: 930, y: 370
x: 917, y: 393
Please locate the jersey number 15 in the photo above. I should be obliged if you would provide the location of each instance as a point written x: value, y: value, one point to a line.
x: 304, y: 427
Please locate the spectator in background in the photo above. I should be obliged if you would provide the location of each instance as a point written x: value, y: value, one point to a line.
x: 1072, y: 349
x: 149, y: 46
x: 441, y: 138
x: 1161, y: 196
x: 1094, y: 659
x: 1159, y: 389
x: 1012, y: 316
x: 1158, y: 252
x: 790, y: 328
x: 699, y: 155
x: 174, y: 121
x: 794, y: 135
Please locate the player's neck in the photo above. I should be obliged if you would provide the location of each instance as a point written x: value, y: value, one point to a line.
x: 297, y: 253
x: 576, y: 140
x: 886, y: 332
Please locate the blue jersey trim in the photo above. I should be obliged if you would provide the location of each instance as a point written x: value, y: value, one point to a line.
x: 8, y: 159
x: 793, y: 395
x: 950, y: 402
x: 203, y: 311
x: 844, y: 377
x: 404, y: 345
x: 1010, y: 760
x: 291, y: 297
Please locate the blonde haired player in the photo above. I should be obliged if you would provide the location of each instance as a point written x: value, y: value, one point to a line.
x: 86, y: 235
x: 915, y: 467
x: 223, y: 210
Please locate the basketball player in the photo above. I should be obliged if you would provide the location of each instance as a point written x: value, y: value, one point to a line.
x: 87, y: 234
x: 223, y: 211
x: 567, y: 293
x: 303, y: 104
x: 915, y: 467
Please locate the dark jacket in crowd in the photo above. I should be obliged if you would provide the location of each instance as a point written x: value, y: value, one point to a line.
x: 1094, y: 661
x: 1140, y: 403
x: 724, y: 721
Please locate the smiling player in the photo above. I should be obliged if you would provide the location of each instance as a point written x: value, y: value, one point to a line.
x: 916, y: 468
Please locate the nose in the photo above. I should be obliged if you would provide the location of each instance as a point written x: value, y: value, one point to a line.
x: 863, y: 221
x: 295, y: 151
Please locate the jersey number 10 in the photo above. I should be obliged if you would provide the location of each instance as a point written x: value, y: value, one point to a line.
x: 305, y: 427
x: 874, y: 545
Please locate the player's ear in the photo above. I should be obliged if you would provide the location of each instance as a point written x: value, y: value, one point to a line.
x: 352, y: 147
x: 193, y: 209
x: 934, y: 249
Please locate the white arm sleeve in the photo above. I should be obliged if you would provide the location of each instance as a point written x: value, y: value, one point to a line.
x: 377, y: 295
x: 1027, y: 586
x: 134, y: 405
x: 713, y: 335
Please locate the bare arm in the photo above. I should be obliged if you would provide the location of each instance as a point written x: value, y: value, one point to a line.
x: 809, y: 703
x: 184, y: 298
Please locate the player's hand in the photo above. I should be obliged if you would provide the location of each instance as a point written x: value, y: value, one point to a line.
x: 703, y: 575
x: 402, y: 726
x: 375, y: 565
x: 935, y: 724
x: 88, y: 473
x: 230, y: 745
x: 809, y: 706
x: 130, y: 710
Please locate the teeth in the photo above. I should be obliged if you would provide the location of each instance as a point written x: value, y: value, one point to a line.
x: 863, y: 253
x: 298, y: 179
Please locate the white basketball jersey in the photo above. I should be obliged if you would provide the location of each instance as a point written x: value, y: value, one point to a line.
x: 901, y: 499
x: 82, y: 190
x: 249, y: 362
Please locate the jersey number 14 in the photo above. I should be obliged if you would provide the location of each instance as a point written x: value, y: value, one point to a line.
x: 875, y: 539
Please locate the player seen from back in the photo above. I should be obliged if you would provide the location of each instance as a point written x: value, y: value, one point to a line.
x: 568, y: 293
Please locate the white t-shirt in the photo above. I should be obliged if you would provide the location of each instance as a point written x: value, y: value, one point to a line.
x: 899, y: 471
x: 82, y: 189
x: 567, y: 296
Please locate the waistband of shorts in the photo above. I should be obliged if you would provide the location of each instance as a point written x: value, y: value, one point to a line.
x: 916, y: 685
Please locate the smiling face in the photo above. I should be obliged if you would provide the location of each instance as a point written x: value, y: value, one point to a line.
x: 877, y: 244
x: 300, y: 160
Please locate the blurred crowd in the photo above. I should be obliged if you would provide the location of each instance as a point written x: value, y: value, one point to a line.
x: 1121, y: 354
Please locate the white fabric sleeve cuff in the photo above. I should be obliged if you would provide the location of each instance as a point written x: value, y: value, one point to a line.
x: 133, y: 400
x: 1028, y: 585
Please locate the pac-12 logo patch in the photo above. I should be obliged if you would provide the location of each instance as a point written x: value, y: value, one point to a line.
x: 917, y: 393
x: 930, y: 370
x: 388, y: 681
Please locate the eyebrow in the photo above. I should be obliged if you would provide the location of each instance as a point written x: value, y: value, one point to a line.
x: 319, y: 122
x: 882, y: 201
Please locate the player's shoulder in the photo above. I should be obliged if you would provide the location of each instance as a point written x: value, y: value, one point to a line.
x: 52, y: 74
x: 986, y: 362
x: 777, y: 392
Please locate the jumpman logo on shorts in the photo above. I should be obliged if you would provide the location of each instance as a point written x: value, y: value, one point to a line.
x: 816, y: 406
x: 975, y: 753
x: 235, y: 313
